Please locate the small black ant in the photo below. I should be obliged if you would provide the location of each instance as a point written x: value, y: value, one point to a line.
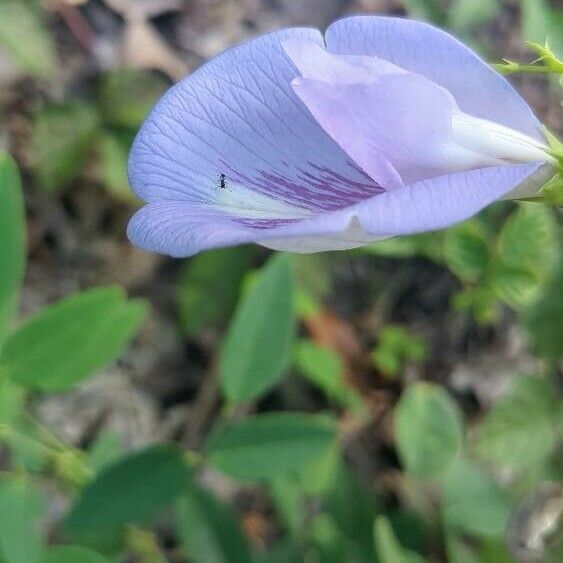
x: 222, y: 181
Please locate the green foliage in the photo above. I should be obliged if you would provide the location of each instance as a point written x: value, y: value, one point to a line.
x: 66, y: 342
x: 126, y: 96
x: 544, y: 320
x: 113, y: 151
x: 145, y: 481
x: 466, y: 251
x: 388, y: 548
x: 324, y: 369
x: 472, y: 501
x: 22, y: 508
x: 12, y: 239
x: 469, y: 13
x: 72, y: 554
x: 25, y: 37
x: 258, y: 344
x: 61, y: 137
x: 541, y: 21
x: 209, y: 287
x: 428, y: 430
x: 521, y: 430
x: 209, y: 530
x: 395, y: 348
x: 266, y: 446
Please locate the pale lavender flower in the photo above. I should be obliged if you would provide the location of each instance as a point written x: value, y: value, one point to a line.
x: 385, y: 127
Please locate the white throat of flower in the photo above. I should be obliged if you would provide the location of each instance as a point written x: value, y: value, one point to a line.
x: 495, y: 142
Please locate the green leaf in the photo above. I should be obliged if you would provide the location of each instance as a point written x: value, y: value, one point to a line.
x: 323, y: 368
x: 388, y: 548
x: 209, y: 287
x: 520, y: 430
x: 269, y: 445
x: 22, y: 508
x: 472, y: 501
x: 131, y: 491
x: 105, y: 451
x: 258, y: 344
x: 61, y: 137
x: 208, y: 529
x: 127, y: 95
x: 12, y: 239
x: 515, y: 286
x: 11, y: 401
x: 544, y: 320
x: 66, y: 342
x: 466, y: 251
x: 469, y: 13
x: 72, y: 554
x: 528, y: 240
x: 113, y: 150
x: 26, y: 38
x: 428, y: 430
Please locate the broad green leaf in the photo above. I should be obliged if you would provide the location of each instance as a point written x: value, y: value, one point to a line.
x: 354, y: 507
x: 209, y: 287
x: 520, y: 431
x: 469, y: 13
x: 26, y: 37
x: 105, y: 451
x: 515, y: 286
x: 113, y: 150
x: 472, y: 501
x: 72, y: 554
x: 324, y: 369
x: 544, y: 320
x: 388, y: 548
x: 21, y: 510
x: 11, y: 401
x: 209, y: 530
x: 258, y: 344
x: 61, y: 137
x: 12, y: 238
x: 528, y: 241
x: 132, y: 490
x: 466, y: 252
x: 428, y: 430
x: 127, y: 95
x: 266, y: 446
x: 66, y: 342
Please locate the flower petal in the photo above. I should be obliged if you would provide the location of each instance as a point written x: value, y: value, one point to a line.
x: 403, y: 119
x: 182, y: 229
x: 422, y: 48
x: 238, y: 117
x: 440, y: 202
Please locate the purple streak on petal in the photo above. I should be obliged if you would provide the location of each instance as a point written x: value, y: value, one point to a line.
x: 239, y: 109
x: 422, y: 48
x: 182, y: 229
x: 315, y: 187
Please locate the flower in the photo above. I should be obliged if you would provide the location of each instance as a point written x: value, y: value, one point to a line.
x: 385, y: 127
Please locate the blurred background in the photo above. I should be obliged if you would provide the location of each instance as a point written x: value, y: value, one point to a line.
x: 464, y: 467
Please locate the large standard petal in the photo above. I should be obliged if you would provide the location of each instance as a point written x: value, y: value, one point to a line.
x: 427, y: 50
x: 238, y: 117
x: 182, y: 229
